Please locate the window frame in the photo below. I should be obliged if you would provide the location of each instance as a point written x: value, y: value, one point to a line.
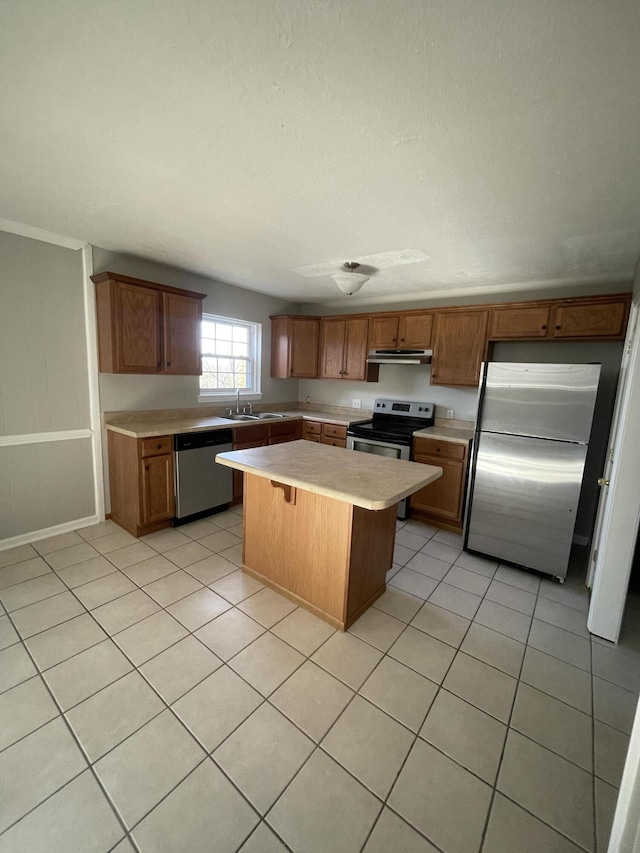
x: 207, y: 395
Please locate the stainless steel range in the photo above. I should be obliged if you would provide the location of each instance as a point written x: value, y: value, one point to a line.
x: 389, y: 432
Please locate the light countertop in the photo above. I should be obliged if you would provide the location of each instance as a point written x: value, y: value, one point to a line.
x: 362, y: 479
x: 150, y: 427
x: 444, y: 433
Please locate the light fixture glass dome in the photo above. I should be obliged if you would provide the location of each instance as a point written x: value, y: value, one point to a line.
x: 350, y: 281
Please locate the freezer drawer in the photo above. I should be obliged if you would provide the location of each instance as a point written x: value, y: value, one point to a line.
x: 553, y: 401
x: 524, y: 498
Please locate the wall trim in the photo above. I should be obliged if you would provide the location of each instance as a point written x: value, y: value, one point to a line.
x: 39, y: 234
x: 44, y: 437
x: 46, y: 532
x: 91, y: 332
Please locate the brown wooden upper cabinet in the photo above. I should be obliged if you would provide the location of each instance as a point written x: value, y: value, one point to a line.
x: 590, y: 320
x: 294, y: 346
x: 523, y: 322
x: 400, y: 330
x: 596, y: 318
x: 145, y: 327
x: 459, y: 347
x: 343, y: 349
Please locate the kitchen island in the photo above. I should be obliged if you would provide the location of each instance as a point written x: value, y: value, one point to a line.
x: 319, y: 522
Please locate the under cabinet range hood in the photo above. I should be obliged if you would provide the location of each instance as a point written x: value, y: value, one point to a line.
x: 399, y: 356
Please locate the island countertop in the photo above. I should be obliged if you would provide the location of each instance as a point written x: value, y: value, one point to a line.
x: 362, y: 479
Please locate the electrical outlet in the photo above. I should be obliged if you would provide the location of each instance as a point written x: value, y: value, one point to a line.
x: 308, y: 399
x: 450, y: 414
x: 356, y: 404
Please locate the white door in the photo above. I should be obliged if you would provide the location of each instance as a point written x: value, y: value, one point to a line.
x: 619, y: 509
x: 614, y: 438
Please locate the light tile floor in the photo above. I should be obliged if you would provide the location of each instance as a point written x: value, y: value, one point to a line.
x: 154, y: 698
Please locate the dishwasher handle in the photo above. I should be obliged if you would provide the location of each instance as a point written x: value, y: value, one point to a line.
x: 195, y: 440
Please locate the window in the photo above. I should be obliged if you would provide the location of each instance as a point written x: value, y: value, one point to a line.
x: 230, y: 357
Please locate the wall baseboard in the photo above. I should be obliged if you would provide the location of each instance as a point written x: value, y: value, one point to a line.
x: 45, y: 533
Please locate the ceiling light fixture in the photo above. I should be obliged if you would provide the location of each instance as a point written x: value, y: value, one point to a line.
x: 350, y: 281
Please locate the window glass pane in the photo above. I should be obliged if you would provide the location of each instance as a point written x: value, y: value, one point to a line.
x: 224, y: 332
x: 241, y: 334
x: 209, y: 364
x: 227, y: 348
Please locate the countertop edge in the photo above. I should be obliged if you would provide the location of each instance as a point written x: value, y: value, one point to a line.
x: 225, y: 423
x: 434, y: 473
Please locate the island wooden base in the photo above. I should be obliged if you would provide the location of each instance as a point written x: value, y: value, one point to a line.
x: 327, y: 555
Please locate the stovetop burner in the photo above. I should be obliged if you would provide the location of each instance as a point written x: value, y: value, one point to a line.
x: 395, y: 421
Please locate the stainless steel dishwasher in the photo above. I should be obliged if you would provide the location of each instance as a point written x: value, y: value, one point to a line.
x: 202, y: 486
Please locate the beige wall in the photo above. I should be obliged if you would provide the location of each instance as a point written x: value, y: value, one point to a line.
x: 43, y: 388
x: 43, y: 356
x: 168, y: 392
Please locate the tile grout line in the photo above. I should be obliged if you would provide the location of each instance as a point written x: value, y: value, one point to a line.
x: 82, y: 752
x: 308, y: 657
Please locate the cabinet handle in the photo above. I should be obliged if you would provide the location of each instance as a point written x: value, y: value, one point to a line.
x: 158, y: 447
x: 168, y: 364
x: 402, y: 340
x: 146, y: 467
x: 543, y: 327
x: 558, y: 328
x: 157, y: 364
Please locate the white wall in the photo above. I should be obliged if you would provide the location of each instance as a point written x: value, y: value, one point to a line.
x: 397, y: 381
x: 121, y: 392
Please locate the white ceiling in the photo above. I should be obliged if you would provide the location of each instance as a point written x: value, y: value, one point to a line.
x: 245, y: 140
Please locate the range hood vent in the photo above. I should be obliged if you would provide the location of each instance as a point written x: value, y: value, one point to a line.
x: 399, y: 356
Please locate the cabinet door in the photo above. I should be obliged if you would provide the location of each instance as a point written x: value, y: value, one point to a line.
x: 459, y: 347
x: 157, y: 488
x: 181, y: 322
x: 508, y: 323
x: 137, y: 327
x: 383, y: 332
x: 443, y: 497
x: 415, y: 330
x: 355, y: 360
x: 304, y: 349
x: 332, y: 349
x: 597, y: 320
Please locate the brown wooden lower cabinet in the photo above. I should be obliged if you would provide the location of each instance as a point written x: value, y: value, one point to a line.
x: 141, y: 482
x: 441, y: 502
x: 334, y: 434
x: 325, y: 554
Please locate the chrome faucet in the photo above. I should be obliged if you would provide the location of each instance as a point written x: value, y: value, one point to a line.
x: 237, y: 401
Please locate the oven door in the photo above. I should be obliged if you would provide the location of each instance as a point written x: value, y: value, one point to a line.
x: 382, y: 448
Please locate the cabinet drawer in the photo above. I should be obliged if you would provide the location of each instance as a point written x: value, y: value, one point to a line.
x: 312, y: 428
x: 436, y: 447
x: 156, y: 446
x: 334, y: 442
x: 310, y: 437
x: 334, y: 431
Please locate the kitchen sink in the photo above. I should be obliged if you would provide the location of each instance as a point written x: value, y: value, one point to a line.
x: 259, y: 416
x: 262, y: 416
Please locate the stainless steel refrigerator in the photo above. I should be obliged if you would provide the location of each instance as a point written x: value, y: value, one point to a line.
x: 530, y: 447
